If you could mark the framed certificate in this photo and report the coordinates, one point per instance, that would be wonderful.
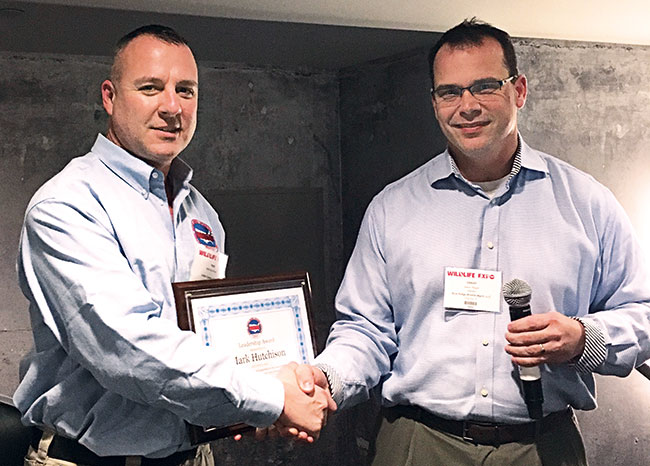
(261, 322)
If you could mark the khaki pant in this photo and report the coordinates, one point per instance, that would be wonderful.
(39, 457)
(404, 442)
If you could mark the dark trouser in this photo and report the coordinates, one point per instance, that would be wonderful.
(48, 449)
(406, 442)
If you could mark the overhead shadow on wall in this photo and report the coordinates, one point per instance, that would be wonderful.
(272, 231)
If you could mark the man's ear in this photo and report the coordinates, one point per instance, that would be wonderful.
(521, 87)
(108, 94)
(433, 104)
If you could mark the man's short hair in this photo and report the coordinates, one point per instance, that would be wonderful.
(472, 32)
(163, 33)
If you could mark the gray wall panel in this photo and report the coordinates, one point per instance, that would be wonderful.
(258, 129)
(587, 105)
(278, 130)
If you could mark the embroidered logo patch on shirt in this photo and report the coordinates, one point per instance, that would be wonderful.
(203, 234)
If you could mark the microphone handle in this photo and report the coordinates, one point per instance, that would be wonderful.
(517, 312)
(534, 397)
(531, 377)
(528, 374)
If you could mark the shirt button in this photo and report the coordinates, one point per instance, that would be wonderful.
(485, 342)
(490, 245)
(484, 392)
(154, 175)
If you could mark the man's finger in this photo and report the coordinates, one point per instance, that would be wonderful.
(305, 378)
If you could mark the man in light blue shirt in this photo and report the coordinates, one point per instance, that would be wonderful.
(112, 379)
(420, 309)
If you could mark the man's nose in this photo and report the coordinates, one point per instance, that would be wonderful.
(468, 103)
(170, 104)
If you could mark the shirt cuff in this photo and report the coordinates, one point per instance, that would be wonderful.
(264, 399)
(595, 351)
(334, 382)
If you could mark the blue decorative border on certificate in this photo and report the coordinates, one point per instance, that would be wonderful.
(249, 307)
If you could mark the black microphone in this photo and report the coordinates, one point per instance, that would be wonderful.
(517, 294)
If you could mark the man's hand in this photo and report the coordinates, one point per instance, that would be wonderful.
(312, 382)
(309, 377)
(306, 406)
(551, 338)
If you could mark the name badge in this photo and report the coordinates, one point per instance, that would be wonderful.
(208, 264)
(472, 289)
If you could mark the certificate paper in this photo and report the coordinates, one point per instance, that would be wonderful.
(261, 330)
(261, 323)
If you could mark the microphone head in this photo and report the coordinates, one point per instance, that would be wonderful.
(517, 292)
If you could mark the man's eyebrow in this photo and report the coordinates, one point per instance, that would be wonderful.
(147, 79)
(482, 80)
(188, 83)
(478, 81)
(446, 86)
(153, 79)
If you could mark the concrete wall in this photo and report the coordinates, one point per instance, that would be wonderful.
(264, 135)
(49, 112)
(387, 130)
(264, 130)
(587, 105)
(259, 130)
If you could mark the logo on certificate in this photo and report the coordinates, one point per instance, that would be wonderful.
(254, 326)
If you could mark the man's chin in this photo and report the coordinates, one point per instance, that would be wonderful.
(166, 150)
(472, 147)
(157, 156)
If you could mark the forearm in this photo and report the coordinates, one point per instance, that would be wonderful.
(116, 324)
(625, 335)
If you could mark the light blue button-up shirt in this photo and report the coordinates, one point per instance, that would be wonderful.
(98, 253)
(550, 225)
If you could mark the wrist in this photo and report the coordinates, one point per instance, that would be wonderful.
(580, 346)
(594, 350)
(334, 383)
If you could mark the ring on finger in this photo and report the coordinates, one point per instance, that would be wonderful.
(542, 350)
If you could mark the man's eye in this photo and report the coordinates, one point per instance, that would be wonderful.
(448, 93)
(487, 87)
(148, 88)
(186, 91)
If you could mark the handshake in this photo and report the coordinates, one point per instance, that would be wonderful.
(307, 403)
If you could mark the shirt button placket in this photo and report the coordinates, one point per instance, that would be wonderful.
(488, 261)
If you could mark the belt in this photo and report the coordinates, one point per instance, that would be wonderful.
(66, 449)
(480, 433)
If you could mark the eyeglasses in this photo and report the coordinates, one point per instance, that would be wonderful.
(482, 90)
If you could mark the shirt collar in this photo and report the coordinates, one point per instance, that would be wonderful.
(531, 159)
(525, 157)
(135, 172)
